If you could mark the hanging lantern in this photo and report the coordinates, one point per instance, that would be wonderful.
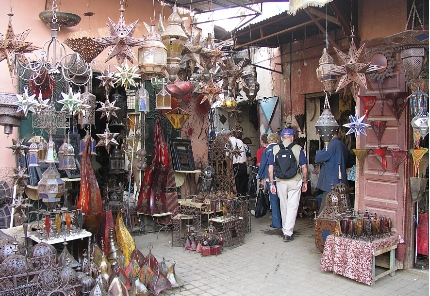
(42, 149)
(326, 124)
(51, 187)
(92, 145)
(8, 115)
(88, 116)
(152, 55)
(32, 155)
(116, 162)
(325, 72)
(418, 102)
(411, 44)
(133, 121)
(51, 154)
(69, 157)
(163, 100)
(173, 38)
(420, 123)
(60, 155)
(141, 100)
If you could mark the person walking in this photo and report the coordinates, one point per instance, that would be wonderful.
(238, 161)
(263, 143)
(333, 161)
(263, 176)
(289, 190)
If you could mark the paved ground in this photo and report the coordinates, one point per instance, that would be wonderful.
(265, 265)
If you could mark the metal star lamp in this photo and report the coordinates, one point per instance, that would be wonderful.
(120, 40)
(12, 44)
(356, 125)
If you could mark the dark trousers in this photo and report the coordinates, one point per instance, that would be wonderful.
(241, 178)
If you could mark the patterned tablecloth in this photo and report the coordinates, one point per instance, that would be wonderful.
(353, 258)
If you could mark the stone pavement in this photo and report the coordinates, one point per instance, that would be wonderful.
(265, 265)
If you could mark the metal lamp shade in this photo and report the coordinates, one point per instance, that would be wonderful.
(417, 187)
(326, 126)
(413, 61)
(9, 118)
(51, 187)
(152, 55)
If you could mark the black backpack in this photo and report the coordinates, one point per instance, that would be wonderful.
(285, 162)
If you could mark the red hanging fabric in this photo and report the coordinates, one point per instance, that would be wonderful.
(153, 198)
(90, 200)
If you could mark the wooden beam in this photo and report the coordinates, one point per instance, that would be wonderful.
(322, 15)
(315, 21)
(273, 35)
(344, 24)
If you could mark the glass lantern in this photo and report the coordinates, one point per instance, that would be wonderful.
(152, 55)
(116, 162)
(174, 39)
(51, 187)
(51, 154)
(87, 117)
(325, 71)
(33, 160)
(42, 149)
(163, 100)
(141, 101)
(60, 155)
(69, 157)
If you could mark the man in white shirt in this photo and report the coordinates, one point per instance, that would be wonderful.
(239, 162)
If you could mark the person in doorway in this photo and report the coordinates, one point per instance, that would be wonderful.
(289, 190)
(263, 144)
(263, 176)
(238, 162)
(333, 161)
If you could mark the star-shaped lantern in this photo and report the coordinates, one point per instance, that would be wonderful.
(356, 125)
(18, 147)
(107, 139)
(353, 71)
(107, 79)
(19, 176)
(41, 104)
(11, 44)
(121, 40)
(108, 109)
(25, 102)
(191, 53)
(71, 102)
(210, 92)
(126, 75)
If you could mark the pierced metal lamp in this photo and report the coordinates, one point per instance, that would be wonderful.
(326, 124)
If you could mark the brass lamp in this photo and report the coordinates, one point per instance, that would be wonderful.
(174, 39)
(152, 55)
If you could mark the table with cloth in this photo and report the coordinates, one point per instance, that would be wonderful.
(355, 259)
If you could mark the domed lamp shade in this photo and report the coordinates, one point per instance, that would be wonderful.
(50, 188)
(152, 55)
(326, 124)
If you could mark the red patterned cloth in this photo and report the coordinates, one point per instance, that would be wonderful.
(352, 258)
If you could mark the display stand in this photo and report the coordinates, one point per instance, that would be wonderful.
(356, 259)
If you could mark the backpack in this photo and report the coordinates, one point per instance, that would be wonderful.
(285, 166)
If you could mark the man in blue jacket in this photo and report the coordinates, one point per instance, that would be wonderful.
(334, 162)
(263, 175)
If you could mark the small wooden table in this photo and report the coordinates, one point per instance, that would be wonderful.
(356, 259)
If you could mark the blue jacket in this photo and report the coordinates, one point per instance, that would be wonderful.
(336, 153)
(263, 170)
